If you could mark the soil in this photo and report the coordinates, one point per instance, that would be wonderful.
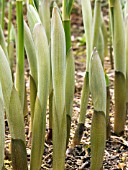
(116, 151)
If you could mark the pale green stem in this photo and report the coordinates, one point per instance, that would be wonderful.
(3, 13)
(20, 82)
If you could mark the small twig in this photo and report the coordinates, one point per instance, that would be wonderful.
(121, 140)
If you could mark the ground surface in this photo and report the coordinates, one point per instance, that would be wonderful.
(116, 152)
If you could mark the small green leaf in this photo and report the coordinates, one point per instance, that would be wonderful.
(107, 80)
(119, 39)
(43, 61)
(59, 139)
(39, 119)
(87, 19)
(97, 83)
(69, 6)
(69, 92)
(12, 33)
(19, 155)
(44, 12)
(38, 136)
(16, 120)
(70, 82)
(6, 79)
(31, 52)
(33, 17)
(84, 98)
(58, 58)
(3, 43)
(33, 93)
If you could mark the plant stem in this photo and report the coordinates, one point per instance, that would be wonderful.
(59, 121)
(20, 82)
(120, 103)
(87, 19)
(118, 33)
(69, 64)
(3, 13)
(9, 23)
(65, 16)
(98, 138)
(67, 29)
(107, 113)
(97, 86)
(84, 102)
